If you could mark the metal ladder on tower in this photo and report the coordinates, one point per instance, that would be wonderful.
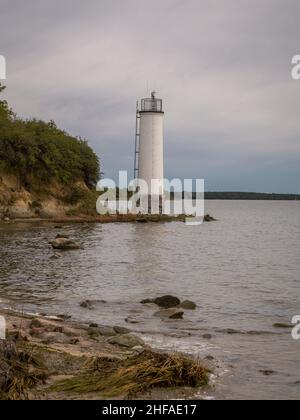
(137, 142)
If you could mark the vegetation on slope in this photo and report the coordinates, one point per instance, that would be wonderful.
(46, 162)
(40, 153)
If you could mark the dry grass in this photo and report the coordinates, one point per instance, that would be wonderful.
(137, 374)
(19, 370)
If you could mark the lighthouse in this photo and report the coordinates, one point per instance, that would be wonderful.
(149, 161)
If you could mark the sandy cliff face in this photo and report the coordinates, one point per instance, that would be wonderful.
(16, 202)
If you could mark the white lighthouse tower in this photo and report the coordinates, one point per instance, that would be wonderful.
(149, 162)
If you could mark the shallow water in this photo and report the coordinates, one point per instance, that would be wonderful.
(242, 271)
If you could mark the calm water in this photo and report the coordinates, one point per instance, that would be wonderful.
(242, 271)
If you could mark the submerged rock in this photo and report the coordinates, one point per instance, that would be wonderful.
(90, 304)
(282, 325)
(232, 331)
(188, 304)
(267, 372)
(144, 301)
(65, 244)
(127, 340)
(59, 236)
(142, 220)
(209, 218)
(170, 313)
(167, 301)
(207, 336)
(87, 304)
(55, 256)
(131, 320)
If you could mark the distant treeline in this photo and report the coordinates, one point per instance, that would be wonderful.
(237, 195)
(249, 196)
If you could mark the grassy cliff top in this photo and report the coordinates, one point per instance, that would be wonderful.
(41, 154)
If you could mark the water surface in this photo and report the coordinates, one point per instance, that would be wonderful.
(242, 271)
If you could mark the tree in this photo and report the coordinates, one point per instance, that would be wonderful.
(41, 154)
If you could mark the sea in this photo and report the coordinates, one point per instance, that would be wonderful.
(242, 271)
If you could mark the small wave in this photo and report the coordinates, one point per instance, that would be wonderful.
(188, 345)
(19, 311)
(241, 332)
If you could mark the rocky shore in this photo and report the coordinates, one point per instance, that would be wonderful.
(56, 358)
(110, 218)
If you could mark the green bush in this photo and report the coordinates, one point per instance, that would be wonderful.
(76, 195)
(40, 154)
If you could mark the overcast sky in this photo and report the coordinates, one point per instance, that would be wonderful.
(222, 67)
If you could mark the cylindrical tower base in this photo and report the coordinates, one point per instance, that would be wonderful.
(151, 169)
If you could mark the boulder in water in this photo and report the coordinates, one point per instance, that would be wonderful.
(90, 304)
(282, 325)
(188, 304)
(267, 372)
(65, 244)
(87, 304)
(170, 313)
(209, 218)
(144, 301)
(59, 236)
(167, 301)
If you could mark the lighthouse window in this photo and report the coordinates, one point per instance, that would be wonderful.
(154, 105)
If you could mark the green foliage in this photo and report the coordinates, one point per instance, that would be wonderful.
(41, 154)
(76, 194)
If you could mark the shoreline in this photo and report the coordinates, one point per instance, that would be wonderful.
(127, 218)
(78, 361)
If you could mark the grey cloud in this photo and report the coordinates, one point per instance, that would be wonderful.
(222, 68)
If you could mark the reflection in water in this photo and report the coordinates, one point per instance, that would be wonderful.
(150, 262)
(243, 273)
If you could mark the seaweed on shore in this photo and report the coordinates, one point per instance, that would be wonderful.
(137, 374)
(19, 370)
